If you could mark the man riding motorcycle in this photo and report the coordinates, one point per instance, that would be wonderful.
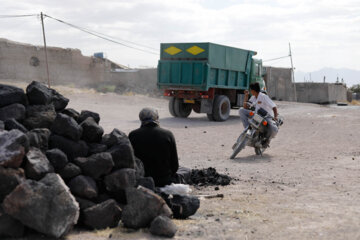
(260, 100)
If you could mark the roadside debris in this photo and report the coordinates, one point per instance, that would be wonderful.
(209, 177)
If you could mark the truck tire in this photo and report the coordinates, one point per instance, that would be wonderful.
(221, 108)
(182, 109)
(171, 107)
(196, 107)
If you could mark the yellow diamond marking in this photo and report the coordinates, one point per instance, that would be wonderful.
(195, 50)
(172, 50)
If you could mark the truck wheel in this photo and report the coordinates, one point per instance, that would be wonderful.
(196, 107)
(182, 109)
(171, 107)
(221, 108)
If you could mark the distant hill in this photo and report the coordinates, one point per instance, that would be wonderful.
(350, 76)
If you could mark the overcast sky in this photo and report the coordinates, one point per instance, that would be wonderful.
(322, 33)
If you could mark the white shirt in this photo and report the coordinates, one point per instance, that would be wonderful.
(263, 101)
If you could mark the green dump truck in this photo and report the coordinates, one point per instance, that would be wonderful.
(206, 78)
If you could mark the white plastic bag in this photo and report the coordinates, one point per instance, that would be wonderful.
(176, 189)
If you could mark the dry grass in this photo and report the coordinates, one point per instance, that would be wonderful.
(355, 102)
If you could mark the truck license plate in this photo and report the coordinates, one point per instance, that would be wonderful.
(189, 101)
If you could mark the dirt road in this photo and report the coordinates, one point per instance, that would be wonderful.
(305, 186)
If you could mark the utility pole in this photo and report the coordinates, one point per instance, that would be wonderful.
(46, 59)
(292, 70)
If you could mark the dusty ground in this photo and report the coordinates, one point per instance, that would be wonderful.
(306, 186)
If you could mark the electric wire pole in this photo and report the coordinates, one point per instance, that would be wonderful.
(292, 70)
(46, 59)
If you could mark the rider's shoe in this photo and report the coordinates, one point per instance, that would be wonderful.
(266, 143)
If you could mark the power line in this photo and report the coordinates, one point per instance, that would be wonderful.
(273, 59)
(18, 16)
(141, 45)
(98, 35)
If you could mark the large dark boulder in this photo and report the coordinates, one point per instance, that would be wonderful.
(113, 138)
(9, 179)
(10, 227)
(182, 206)
(11, 94)
(71, 113)
(16, 111)
(46, 206)
(71, 148)
(85, 114)
(92, 132)
(123, 153)
(70, 171)
(59, 101)
(84, 203)
(96, 148)
(39, 138)
(102, 197)
(11, 124)
(143, 207)
(67, 127)
(139, 168)
(120, 180)
(57, 158)
(39, 116)
(103, 215)
(163, 226)
(96, 165)
(83, 186)
(147, 182)
(38, 93)
(37, 165)
(13, 146)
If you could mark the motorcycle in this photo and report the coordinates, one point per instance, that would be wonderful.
(255, 134)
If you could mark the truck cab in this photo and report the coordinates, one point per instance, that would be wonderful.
(257, 73)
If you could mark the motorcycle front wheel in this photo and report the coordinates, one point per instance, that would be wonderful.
(240, 144)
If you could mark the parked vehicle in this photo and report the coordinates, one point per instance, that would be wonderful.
(254, 134)
(206, 78)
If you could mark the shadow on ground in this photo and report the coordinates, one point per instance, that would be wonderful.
(253, 158)
(194, 122)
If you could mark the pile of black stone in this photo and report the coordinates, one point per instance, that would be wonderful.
(209, 177)
(58, 170)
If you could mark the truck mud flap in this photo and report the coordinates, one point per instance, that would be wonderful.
(206, 106)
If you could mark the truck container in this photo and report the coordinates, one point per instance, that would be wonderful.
(206, 77)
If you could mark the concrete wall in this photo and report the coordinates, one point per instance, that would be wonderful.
(25, 62)
(322, 93)
(66, 66)
(337, 93)
(279, 84)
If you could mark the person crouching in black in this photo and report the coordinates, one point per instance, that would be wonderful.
(156, 148)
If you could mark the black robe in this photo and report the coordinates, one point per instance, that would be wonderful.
(156, 148)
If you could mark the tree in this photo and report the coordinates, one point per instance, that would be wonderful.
(355, 88)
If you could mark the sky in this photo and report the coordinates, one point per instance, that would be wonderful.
(322, 33)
